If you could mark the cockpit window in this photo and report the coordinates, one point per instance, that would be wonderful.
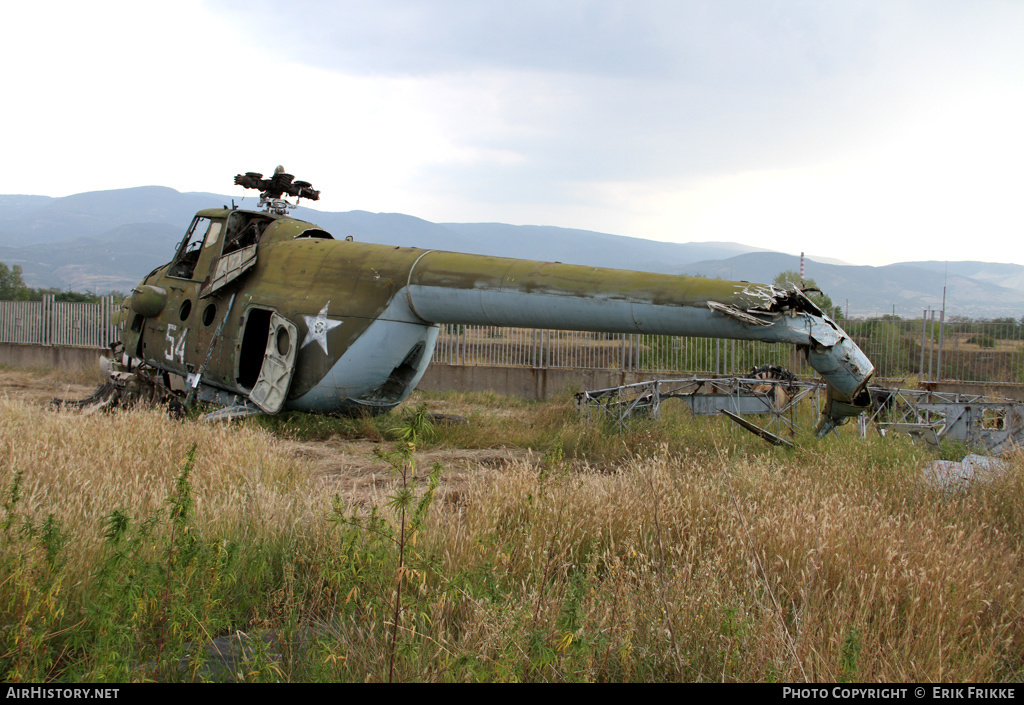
(202, 230)
(244, 229)
(212, 235)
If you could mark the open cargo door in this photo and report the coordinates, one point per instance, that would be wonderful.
(271, 389)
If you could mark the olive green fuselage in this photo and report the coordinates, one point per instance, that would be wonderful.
(365, 316)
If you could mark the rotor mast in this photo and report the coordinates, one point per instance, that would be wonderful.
(273, 190)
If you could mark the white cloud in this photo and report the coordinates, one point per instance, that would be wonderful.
(880, 130)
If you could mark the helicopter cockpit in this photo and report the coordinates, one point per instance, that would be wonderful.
(202, 232)
(244, 229)
(240, 229)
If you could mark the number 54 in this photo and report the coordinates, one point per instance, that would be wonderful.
(175, 348)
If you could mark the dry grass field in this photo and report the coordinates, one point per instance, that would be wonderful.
(525, 545)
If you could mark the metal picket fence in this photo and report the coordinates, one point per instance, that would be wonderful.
(917, 350)
(526, 347)
(927, 349)
(50, 322)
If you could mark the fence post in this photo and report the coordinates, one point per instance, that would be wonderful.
(938, 366)
(931, 346)
(924, 326)
(49, 324)
(104, 334)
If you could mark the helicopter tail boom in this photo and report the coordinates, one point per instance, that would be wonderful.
(445, 287)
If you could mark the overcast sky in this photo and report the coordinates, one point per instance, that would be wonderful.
(868, 131)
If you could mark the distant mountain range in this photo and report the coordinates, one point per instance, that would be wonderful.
(977, 289)
(108, 240)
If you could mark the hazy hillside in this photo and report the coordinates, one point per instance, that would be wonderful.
(110, 239)
(591, 248)
(113, 260)
(1008, 275)
(16, 203)
(876, 290)
(96, 212)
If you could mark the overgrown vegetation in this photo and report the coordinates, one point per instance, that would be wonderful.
(134, 547)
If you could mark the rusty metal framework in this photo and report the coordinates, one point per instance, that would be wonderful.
(778, 400)
(991, 423)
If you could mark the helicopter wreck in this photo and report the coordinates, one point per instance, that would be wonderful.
(260, 312)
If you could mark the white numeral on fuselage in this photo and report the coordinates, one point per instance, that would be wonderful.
(175, 348)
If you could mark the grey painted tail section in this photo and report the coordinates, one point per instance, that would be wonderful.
(553, 297)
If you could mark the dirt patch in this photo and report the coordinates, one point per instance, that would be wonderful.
(350, 469)
(353, 470)
(40, 387)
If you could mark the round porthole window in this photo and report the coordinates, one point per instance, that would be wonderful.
(209, 313)
(185, 310)
(283, 341)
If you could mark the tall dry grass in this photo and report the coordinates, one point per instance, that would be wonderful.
(708, 568)
(81, 467)
(706, 557)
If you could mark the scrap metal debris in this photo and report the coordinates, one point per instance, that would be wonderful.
(767, 390)
(124, 390)
(988, 424)
(992, 424)
(950, 474)
(737, 313)
(758, 431)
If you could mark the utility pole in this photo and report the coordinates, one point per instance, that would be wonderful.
(942, 321)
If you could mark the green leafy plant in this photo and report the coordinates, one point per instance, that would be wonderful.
(418, 427)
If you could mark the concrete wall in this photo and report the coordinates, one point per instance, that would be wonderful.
(50, 356)
(526, 382)
(1006, 391)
